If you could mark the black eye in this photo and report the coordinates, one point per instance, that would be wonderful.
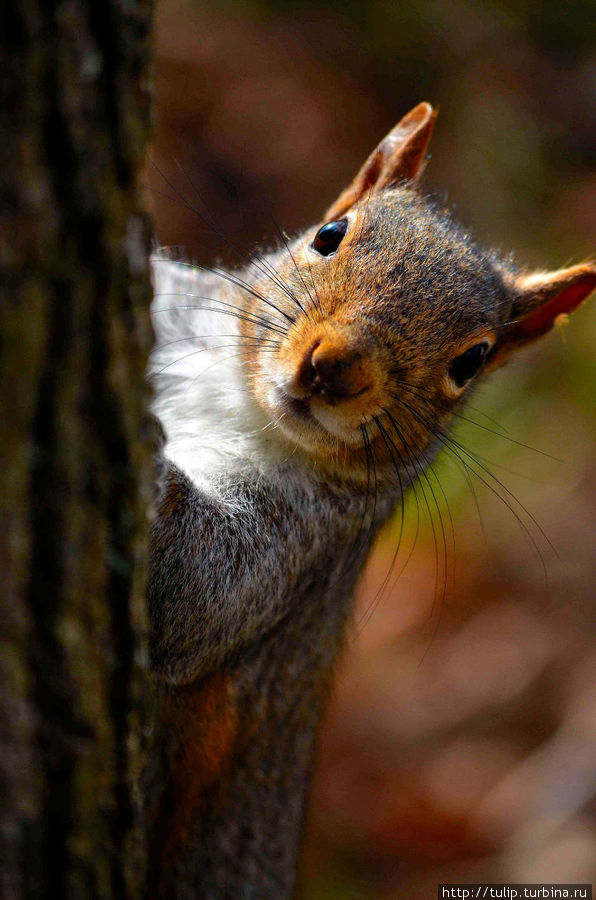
(329, 237)
(468, 364)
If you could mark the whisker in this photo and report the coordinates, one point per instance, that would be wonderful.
(219, 361)
(234, 279)
(195, 353)
(458, 449)
(318, 304)
(202, 337)
(368, 612)
(260, 263)
(223, 312)
(295, 264)
(439, 593)
(253, 318)
(420, 396)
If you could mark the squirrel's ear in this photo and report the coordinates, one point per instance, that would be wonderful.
(541, 301)
(399, 157)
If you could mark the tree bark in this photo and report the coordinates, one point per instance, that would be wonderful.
(74, 446)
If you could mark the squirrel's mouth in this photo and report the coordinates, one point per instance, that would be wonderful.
(298, 408)
(290, 409)
(295, 413)
(304, 422)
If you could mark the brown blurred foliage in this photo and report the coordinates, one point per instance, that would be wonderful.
(461, 740)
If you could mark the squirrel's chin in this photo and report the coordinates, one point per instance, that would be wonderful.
(315, 428)
(337, 450)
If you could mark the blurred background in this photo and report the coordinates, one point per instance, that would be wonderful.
(460, 742)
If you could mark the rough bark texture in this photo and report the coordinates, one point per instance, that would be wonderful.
(74, 461)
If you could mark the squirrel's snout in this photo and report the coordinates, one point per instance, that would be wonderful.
(333, 370)
(331, 377)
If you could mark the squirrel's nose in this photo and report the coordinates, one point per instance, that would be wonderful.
(334, 371)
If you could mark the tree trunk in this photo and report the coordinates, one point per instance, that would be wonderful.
(74, 448)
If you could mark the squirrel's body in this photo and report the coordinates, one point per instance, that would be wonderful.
(243, 724)
(299, 398)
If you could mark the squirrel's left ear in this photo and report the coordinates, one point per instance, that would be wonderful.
(399, 157)
(541, 301)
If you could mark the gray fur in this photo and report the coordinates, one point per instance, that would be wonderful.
(253, 568)
(257, 545)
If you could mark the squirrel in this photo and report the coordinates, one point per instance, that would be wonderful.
(299, 398)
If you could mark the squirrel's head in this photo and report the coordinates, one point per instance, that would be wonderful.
(373, 325)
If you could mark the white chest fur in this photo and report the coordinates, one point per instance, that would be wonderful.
(198, 371)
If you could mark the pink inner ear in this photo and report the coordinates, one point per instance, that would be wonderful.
(564, 302)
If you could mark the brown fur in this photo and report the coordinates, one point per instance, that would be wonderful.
(405, 294)
(398, 158)
(205, 720)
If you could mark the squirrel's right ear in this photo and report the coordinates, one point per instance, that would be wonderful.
(541, 302)
(399, 157)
